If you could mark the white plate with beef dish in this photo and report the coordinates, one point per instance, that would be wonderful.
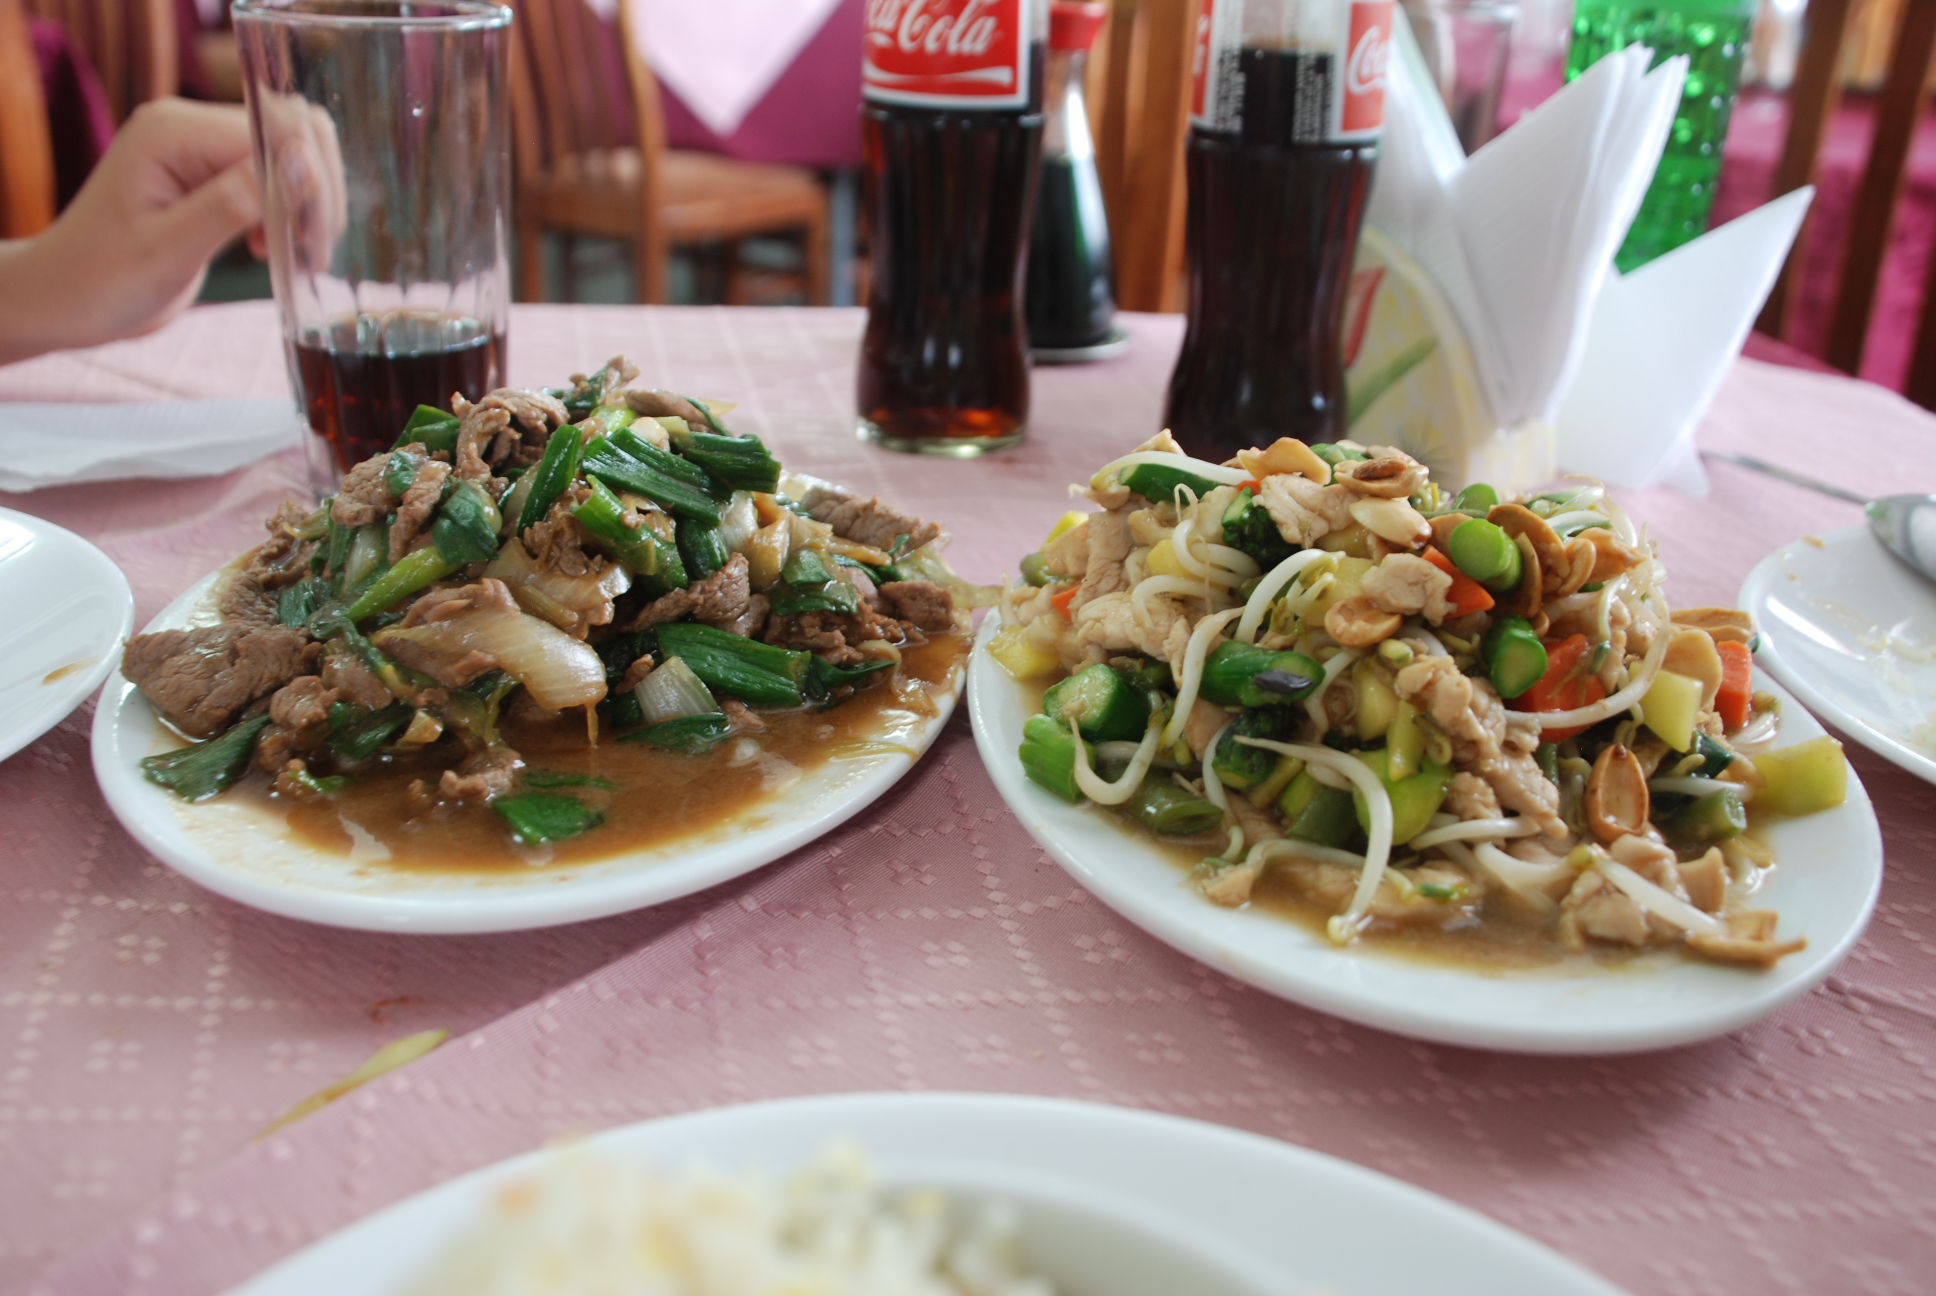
(948, 1192)
(1499, 939)
(74, 610)
(457, 760)
(1852, 631)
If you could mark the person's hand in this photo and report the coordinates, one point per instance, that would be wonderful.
(130, 251)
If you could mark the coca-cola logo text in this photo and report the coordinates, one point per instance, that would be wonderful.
(924, 27)
(1365, 71)
(1369, 44)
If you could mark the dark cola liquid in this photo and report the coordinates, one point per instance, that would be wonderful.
(363, 377)
(1272, 229)
(949, 196)
(1071, 295)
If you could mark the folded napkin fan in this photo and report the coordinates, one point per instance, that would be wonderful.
(54, 444)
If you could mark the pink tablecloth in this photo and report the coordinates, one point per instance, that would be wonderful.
(151, 1029)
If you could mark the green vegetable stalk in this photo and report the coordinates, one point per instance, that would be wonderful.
(202, 770)
(416, 571)
(552, 475)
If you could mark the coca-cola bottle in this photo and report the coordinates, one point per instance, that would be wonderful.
(1288, 104)
(951, 128)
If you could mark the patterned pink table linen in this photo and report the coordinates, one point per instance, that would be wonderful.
(152, 1029)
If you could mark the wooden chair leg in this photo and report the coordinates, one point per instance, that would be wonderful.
(649, 270)
(816, 253)
(733, 290)
(531, 275)
(571, 267)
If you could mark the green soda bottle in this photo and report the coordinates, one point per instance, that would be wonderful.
(1714, 36)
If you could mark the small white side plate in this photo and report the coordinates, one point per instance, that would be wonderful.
(1114, 1202)
(1853, 633)
(1830, 870)
(68, 609)
(246, 853)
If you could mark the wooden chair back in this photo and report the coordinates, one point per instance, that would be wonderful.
(1142, 107)
(1812, 101)
(566, 99)
(130, 43)
(26, 147)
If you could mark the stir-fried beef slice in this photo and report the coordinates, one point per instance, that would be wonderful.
(560, 543)
(663, 404)
(201, 680)
(635, 674)
(418, 507)
(478, 432)
(485, 775)
(440, 666)
(740, 718)
(303, 705)
(834, 636)
(600, 387)
(748, 623)
(244, 599)
(365, 496)
(720, 600)
(867, 522)
(922, 604)
(282, 558)
(276, 748)
(443, 604)
(352, 681)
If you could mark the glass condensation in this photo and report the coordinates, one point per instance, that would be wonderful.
(1714, 36)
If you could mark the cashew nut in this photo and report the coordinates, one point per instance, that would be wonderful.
(1527, 598)
(1723, 625)
(1392, 519)
(1392, 474)
(1580, 557)
(1616, 556)
(1692, 653)
(1358, 623)
(1617, 800)
(1285, 455)
(1518, 520)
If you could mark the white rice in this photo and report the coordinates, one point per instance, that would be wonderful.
(588, 1225)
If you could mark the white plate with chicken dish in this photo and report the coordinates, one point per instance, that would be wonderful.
(557, 655)
(942, 1194)
(1470, 778)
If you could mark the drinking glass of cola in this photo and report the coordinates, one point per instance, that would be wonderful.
(382, 138)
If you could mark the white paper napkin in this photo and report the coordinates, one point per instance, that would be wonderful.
(721, 56)
(1661, 340)
(1521, 235)
(58, 443)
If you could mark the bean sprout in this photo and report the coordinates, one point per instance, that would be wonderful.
(1475, 830)
(1265, 851)
(1212, 472)
(1344, 928)
(1571, 524)
(1100, 790)
(1199, 648)
(1314, 705)
(1661, 902)
(1213, 793)
(1258, 606)
(1155, 586)
(1697, 787)
(1615, 704)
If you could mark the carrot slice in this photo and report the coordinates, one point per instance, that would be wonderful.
(1063, 597)
(1734, 702)
(1467, 595)
(1566, 686)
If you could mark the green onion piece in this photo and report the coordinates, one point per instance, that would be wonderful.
(631, 444)
(712, 419)
(1514, 656)
(416, 571)
(467, 525)
(554, 779)
(369, 551)
(822, 678)
(1335, 454)
(1715, 758)
(435, 429)
(1168, 810)
(622, 472)
(400, 471)
(325, 785)
(1158, 482)
(835, 596)
(1486, 554)
(805, 568)
(337, 549)
(552, 475)
(614, 417)
(691, 735)
(701, 548)
(756, 673)
(642, 553)
(201, 770)
(737, 463)
(298, 602)
(357, 732)
(1049, 757)
(540, 817)
(1476, 500)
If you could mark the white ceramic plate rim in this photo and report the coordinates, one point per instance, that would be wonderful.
(1624, 1011)
(87, 565)
(829, 795)
(1758, 590)
(1277, 1210)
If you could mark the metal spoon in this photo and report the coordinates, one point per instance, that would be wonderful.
(1905, 524)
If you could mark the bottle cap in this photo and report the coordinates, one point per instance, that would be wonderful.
(1073, 24)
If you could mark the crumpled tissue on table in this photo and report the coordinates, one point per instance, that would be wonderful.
(1485, 293)
(57, 443)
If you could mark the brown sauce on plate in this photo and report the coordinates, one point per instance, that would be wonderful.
(658, 797)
